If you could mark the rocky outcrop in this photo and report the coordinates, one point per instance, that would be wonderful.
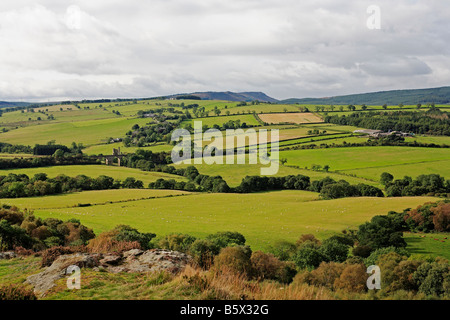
(134, 260)
(45, 280)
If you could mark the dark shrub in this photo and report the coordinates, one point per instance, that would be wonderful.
(50, 255)
(283, 250)
(203, 252)
(226, 238)
(362, 251)
(177, 242)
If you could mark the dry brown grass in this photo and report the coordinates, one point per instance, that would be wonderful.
(228, 285)
(297, 118)
(104, 243)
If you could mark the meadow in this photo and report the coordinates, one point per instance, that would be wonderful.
(357, 160)
(297, 118)
(87, 132)
(263, 218)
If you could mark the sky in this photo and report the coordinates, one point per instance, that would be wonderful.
(54, 50)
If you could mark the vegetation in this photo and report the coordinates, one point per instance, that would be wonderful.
(433, 121)
(336, 206)
(18, 186)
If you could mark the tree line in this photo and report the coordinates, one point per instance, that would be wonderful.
(433, 121)
(425, 184)
(20, 185)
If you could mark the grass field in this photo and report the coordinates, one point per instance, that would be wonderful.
(249, 119)
(432, 244)
(298, 118)
(86, 132)
(359, 160)
(413, 170)
(254, 215)
(96, 197)
(115, 172)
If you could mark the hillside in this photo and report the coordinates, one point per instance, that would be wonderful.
(393, 97)
(232, 96)
(8, 104)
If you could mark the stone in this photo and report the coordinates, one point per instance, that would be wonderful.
(111, 259)
(45, 280)
(133, 261)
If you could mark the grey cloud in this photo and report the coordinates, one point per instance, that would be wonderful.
(284, 48)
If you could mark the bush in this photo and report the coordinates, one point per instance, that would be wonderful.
(308, 256)
(267, 266)
(50, 255)
(203, 252)
(177, 242)
(362, 251)
(380, 232)
(226, 238)
(375, 255)
(123, 233)
(13, 236)
(307, 237)
(235, 260)
(353, 278)
(16, 292)
(403, 274)
(283, 250)
(326, 274)
(106, 243)
(333, 250)
(433, 278)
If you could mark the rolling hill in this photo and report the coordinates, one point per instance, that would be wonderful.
(393, 97)
(230, 96)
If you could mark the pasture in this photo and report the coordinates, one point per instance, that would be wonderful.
(358, 160)
(428, 244)
(87, 132)
(263, 218)
(297, 118)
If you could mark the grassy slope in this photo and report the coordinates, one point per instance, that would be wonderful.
(87, 132)
(426, 244)
(358, 160)
(254, 215)
(96, 197)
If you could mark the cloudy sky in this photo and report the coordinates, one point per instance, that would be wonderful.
(53, 49)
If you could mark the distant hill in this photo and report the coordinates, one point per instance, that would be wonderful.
(393, 97)
(8, 104)
(230, 96)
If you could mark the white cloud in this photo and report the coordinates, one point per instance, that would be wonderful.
(89, 49)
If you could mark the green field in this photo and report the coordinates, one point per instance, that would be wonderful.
(262, 217)
(370, 162)
(95, 197)
(430, 244)
(254, 215)
(249, 119)
(87, 132)
(120, 173)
